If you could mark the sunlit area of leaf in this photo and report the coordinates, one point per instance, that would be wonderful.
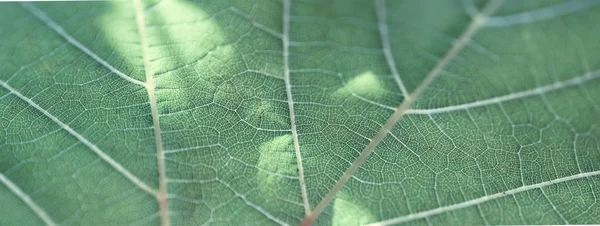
(366, 84)
(207, 68)
(181, 34)
(344, 206)
(369, 88)
(183, 38)
(277, 165)
(118, 27)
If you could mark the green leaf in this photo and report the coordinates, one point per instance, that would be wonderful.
(338, 112)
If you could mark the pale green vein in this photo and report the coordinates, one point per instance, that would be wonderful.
(59, 30)
(139, 183)
(483, 199)
(27, 200)
(513, 96)
(477, 22)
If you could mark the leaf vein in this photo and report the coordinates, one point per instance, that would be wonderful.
(161, 195)
(513, 96)
(288, 89)
(483, 199)
(40, 15)
(385, 41)
(27, 200)
(139, 183)
(478, 21)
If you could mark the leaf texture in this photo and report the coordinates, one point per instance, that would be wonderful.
(352, 112)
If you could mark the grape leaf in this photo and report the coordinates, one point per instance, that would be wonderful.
(352, 112)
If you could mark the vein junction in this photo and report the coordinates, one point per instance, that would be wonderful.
(161, 194)
(477, 23)
(59, 30)
(513, 96)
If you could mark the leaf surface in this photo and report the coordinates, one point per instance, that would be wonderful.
(249, 112)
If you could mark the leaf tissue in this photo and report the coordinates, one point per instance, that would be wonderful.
(300, 112)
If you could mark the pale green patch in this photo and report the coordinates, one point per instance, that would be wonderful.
(343, 207)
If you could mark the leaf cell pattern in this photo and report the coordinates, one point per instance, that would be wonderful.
(280, 112)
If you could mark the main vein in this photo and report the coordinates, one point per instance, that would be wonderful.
(477, 22)
(161, 194)
(483, 199)
(160, 154)
(27, 200)
(288, 89)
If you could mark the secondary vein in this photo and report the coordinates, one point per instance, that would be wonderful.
(27, 200)
(385, 42)
(513, 96)
(59, 30)
(139, 183)
(483, 199)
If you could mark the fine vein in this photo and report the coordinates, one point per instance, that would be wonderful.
(385, 41)
(59, 30)
(254, 206)
(477, 22)
(432, 212)
(161, 196)
(513, 96)
(27, 200)
(139, 183)
(288, 89)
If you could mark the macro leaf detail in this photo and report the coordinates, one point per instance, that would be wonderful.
(337, 112)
